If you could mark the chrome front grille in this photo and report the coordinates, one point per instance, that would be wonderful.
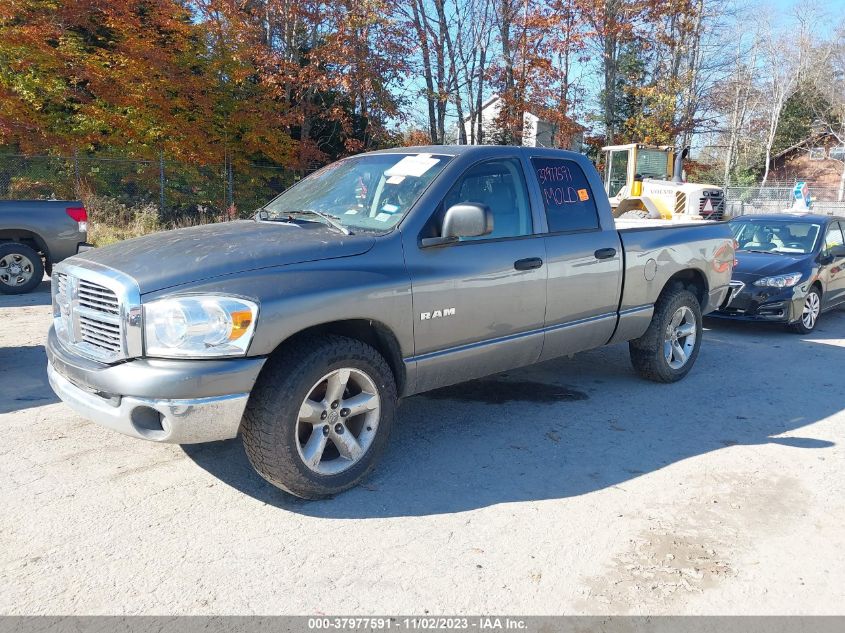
(97, 312)
(97, 298)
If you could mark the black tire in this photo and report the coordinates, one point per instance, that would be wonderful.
(637, 214)
(10, 252)
(648, 353)
(270, 424)
(799, 326)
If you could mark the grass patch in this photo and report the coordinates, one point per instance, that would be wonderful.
(110, 221)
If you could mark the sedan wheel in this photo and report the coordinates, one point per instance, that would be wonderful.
(812, 307)
(810, 313)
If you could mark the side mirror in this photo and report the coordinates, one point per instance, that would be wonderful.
(838, 251)
(463, 220)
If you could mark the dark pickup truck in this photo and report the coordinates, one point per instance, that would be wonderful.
(381, 276)
(35, 235)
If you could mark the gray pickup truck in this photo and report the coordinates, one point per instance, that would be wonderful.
(380, 276)
(35, 235)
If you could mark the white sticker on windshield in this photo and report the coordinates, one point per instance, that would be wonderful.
(395, 180)
(351, 212)
(384, 217)
(390, 208)
(412, 166)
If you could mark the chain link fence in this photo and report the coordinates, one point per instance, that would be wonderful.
(779, 198)
(178, 192)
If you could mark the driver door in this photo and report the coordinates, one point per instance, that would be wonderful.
(479, 304)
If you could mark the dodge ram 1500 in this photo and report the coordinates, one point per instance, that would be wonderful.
(381, 276)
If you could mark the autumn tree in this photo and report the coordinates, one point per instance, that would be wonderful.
(97, 74)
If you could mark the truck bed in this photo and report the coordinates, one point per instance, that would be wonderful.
(633, 224)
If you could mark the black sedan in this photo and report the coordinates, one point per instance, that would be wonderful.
(790, 268)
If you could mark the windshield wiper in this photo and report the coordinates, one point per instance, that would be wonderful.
(331, 220)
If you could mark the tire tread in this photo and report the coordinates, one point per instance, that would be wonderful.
(647, 351)
(276, 397)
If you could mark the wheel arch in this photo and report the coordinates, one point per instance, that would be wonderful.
(369, 331)
(25, 236)
(691, 279)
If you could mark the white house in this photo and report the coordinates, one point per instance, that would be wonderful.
(536, 132)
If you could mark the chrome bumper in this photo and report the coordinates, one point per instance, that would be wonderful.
(175, 401)
(176, 421)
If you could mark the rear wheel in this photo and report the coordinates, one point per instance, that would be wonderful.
(810, 313)
(668, 349)
(21, 269)
(320, 415)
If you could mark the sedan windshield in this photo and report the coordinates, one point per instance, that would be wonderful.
(370, 192)
(775, 236)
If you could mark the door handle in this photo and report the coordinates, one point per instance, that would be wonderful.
(529, 263)
(605, 253)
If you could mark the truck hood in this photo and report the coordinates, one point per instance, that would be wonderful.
(172, 258)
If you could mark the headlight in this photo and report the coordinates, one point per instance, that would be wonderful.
(199, 325)
(779, 281)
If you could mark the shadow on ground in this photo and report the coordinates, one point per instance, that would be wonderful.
(23, 378)
(38, 297)
(572, 426)
(23, 368)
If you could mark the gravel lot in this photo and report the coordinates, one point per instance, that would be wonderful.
(570, 487)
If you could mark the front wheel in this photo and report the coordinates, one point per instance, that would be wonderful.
(320, 415)
(810, 313)
(669, 347)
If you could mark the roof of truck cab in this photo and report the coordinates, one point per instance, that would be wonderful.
(482, 150)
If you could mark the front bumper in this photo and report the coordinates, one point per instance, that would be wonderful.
(173, 401)
(753, 303)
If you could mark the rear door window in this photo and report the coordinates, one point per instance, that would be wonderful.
(567, 197)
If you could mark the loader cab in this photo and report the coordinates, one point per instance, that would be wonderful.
(625, 164)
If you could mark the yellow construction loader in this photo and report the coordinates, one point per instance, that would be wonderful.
(645, 182)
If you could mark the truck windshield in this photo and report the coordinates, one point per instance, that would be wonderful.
(775, 236)
(370, 192)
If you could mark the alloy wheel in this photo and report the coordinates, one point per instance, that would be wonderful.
(679, 340)
(338, 421)
(812, 307)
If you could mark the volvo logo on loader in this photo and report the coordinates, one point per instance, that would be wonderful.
(445, 312)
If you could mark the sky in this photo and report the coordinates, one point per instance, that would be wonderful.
(779, 12)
